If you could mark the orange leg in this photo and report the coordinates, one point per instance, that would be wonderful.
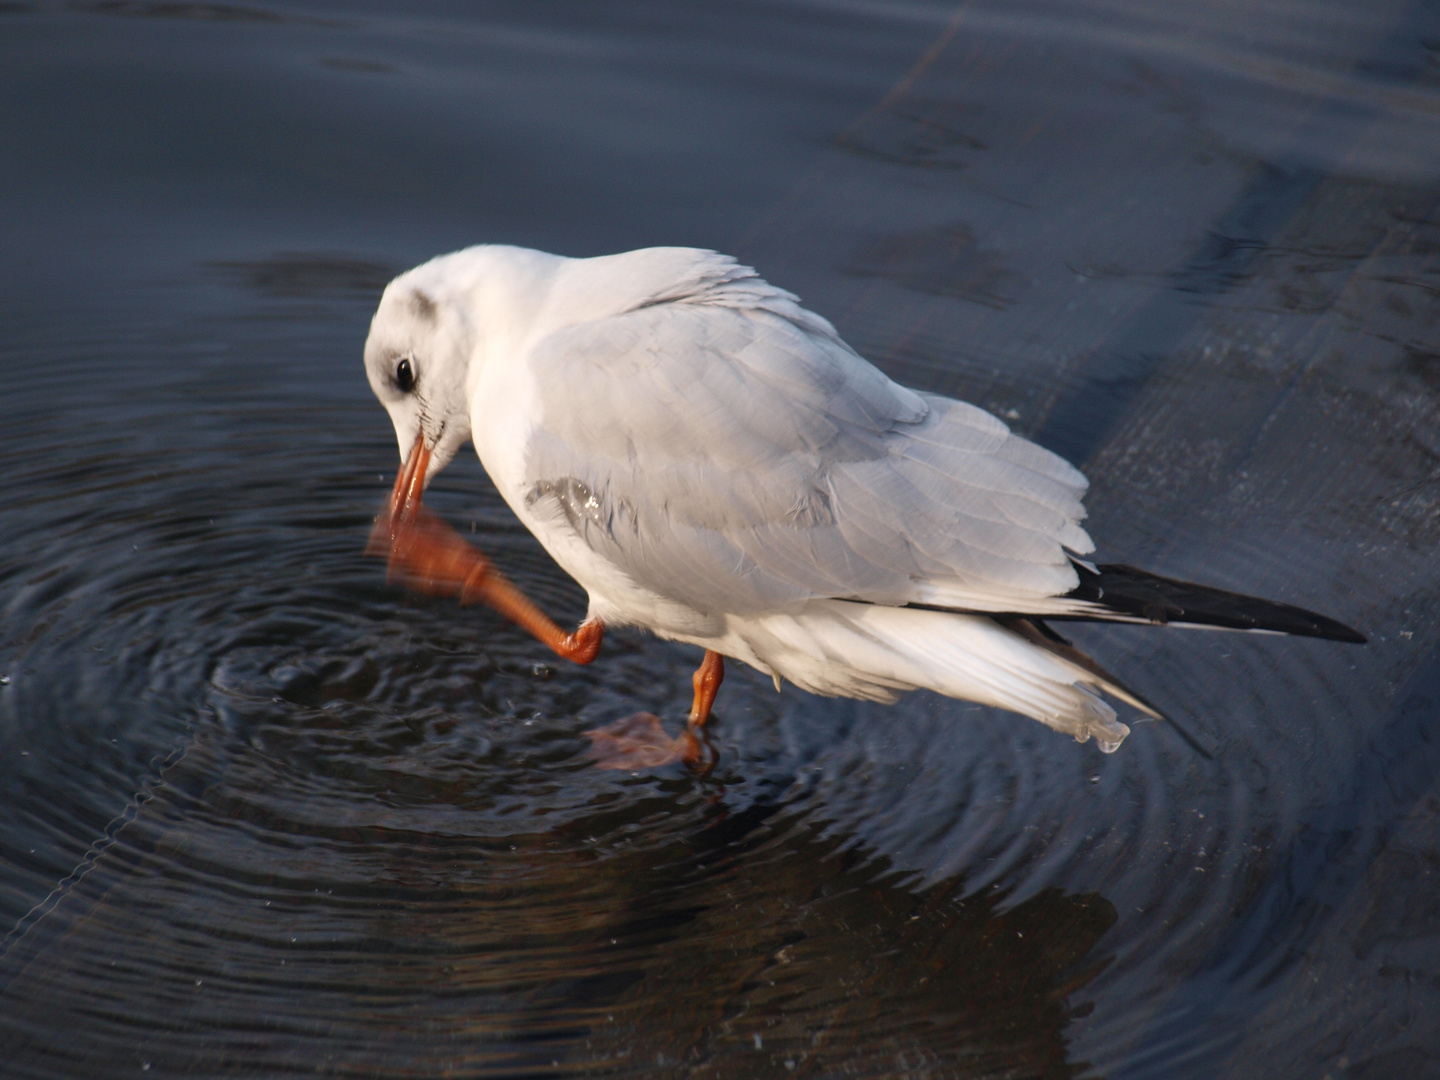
(428, 555)
(708, 677)
(691, 746)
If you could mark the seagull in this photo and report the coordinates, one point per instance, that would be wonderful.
(711, 461)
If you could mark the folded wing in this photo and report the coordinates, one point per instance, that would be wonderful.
(726, 449)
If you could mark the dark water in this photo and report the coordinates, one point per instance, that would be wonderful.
(263, 815)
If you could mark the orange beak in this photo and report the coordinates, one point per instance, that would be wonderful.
(423, 552)
(410, 483)
(405, 499)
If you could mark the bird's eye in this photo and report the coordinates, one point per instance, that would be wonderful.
(405, 376)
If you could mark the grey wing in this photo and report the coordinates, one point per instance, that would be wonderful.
(733, 455)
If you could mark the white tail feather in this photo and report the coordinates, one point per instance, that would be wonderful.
(838, 648)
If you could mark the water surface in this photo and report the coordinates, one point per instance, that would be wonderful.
(262, 814)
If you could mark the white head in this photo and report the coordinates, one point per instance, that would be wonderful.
(417, 359)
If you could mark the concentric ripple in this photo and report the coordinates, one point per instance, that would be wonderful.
(267, 811)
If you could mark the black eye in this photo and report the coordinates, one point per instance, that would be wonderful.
(405, 376)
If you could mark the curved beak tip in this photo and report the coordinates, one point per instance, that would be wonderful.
(410, 482)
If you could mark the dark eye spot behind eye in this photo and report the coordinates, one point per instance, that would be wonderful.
(405, 376)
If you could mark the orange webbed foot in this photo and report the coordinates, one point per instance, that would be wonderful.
(640, 742)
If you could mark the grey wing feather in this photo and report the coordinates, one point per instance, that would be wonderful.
(728, 451)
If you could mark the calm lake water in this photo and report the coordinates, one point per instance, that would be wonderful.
(262, 814)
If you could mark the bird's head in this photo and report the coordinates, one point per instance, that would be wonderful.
(417, 359)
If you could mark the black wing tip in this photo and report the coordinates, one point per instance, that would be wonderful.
(1140, 594)
(1341, 632)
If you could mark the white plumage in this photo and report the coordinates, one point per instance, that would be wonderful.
(711, 461)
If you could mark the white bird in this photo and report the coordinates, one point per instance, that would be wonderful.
(709, 460)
